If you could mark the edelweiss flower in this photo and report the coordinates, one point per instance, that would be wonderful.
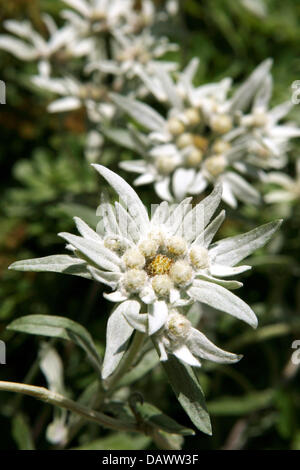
(268, 139)
(75, 95)
(127, 16)
(98, 15)
(61, 45)
(156, 264)
(131, 53)
(206, 137)
(290, 187)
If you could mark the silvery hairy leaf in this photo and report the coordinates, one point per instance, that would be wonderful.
(94, 252)
(220, 298)
(132, 202)
(202, 347)
(118, 332)
(141, 112)
(188, 392)
(242, 97)
(59, 327)
(233, 249)
(57, 263)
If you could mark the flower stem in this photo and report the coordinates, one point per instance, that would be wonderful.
(56, 399)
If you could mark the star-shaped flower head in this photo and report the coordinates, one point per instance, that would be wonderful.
(156, 264)
(131, 53)
(206, 136)
(128, 16)
(286, 189)
(62, 43)
(96, 16)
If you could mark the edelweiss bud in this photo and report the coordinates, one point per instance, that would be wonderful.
(192, 116)
(181, 272)
(162, 285)
(98, 15)
(221, 146)
(215, 165)
(260, 119)
(263, 153)
(134, 280)
(199, 257)
(176, 245)
(165, 164)
(178, 326)
(200, 142)
(221, 123)
(194, 157)
(257, 119)
(134, 259)
(149, 247)
(184, 140)
(175, 126)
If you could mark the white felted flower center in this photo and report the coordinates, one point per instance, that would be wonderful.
(165, 164)
(148, 247)
(134, 280)
(161, 263)
(162, 285)
(175, 126)
(215, 165)
(177, 326)
(192, 116)
(260, 118)
(176, 246)
(184, 140)
(221, 146)
(221, 124)
(194, 157)
(133, 258)
(199, 257)
(181, 272)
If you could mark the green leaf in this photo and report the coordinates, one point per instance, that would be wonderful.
(236, 406)
(156, 418)
(286, 414)
(167, 441)
(188, 392)
(59, 327)
(21, 432)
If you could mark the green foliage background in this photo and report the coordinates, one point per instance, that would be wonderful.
(46, 180)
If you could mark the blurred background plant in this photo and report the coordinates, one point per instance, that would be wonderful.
(254, 404)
